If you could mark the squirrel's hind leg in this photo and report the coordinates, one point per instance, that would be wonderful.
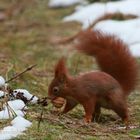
(96, 114)
(122, 110)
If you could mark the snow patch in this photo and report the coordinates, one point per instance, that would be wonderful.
(2, 81)
(135, 49)
(64, 3)
(92, 12)
(21, 123)
(18, 125)
(1, 93)
(84, 16)
(16, 104)
(26, 94)
(128, 31)
(13, 109)
(6, 114)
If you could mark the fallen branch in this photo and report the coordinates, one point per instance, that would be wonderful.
(17, 75)
(113, 16)
(67, 39)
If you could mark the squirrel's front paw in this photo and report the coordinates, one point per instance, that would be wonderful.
(84, 122)
(87, 120)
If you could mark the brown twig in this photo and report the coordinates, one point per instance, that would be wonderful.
(17, 75)
(44, 101)
(28, 102)
(67, 39)
(40, 119)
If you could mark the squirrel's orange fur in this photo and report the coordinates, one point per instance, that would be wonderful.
(107, 88)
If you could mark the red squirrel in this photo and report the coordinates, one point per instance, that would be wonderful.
(107, 88)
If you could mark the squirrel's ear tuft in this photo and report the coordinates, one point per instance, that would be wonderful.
(61, 70)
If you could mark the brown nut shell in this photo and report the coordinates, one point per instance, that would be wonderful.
(58, 102)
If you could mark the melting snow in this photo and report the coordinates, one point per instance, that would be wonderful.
(2, 81)
(18, 125)
(64, 3)
(26, 94)
(14, 109)
(88, 14)
(128, 30)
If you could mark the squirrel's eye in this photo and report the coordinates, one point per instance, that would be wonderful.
(55, 90)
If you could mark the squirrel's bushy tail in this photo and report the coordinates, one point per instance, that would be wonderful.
(112, 55)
